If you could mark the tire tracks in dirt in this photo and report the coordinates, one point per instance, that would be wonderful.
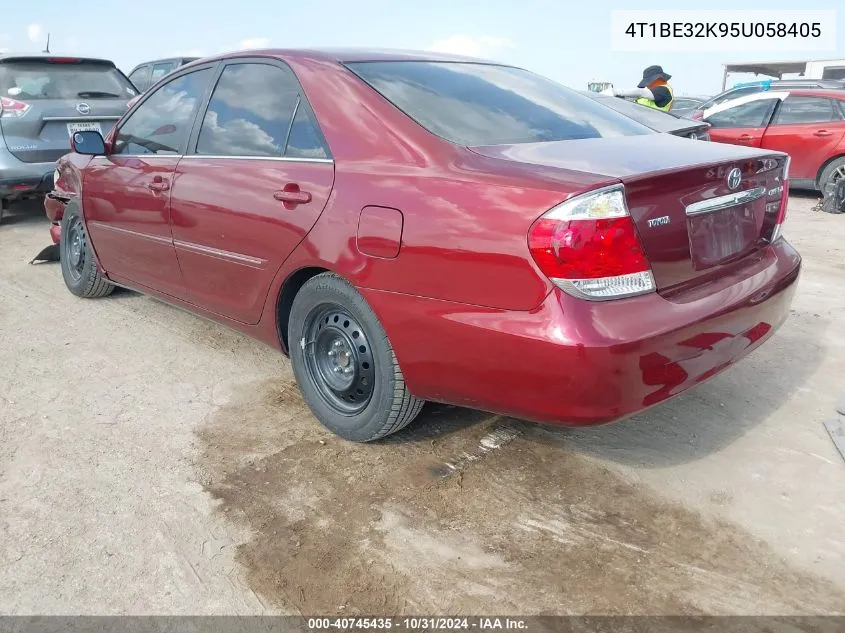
(470, 513)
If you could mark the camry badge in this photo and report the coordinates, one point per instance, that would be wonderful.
(83, 108)
(734, 178)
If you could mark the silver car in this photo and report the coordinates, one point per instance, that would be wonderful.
(44, 98)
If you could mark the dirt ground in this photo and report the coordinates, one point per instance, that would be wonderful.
(153, 462)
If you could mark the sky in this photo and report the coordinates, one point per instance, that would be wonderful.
(566, 41)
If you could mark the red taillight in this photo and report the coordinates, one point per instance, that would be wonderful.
(63, 60)
(12, 108)
(588, 247)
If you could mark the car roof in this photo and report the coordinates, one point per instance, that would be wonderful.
(790, 82)
(163, 60)
(818, 92)
(19, 56)
(756, 96)
(167, 59)
(775, 94)
(348, 55)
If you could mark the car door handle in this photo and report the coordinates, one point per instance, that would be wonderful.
(292, 195)
(746, 137)
(158, 185)
(822, 133)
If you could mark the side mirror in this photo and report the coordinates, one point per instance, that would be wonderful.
(88, 142)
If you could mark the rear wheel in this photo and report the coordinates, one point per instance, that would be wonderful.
(833, 173)
(344, 364)
(77, 259)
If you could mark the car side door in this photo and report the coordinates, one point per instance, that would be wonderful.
(809, 129)
(743, 124)
(254, 183)
(126, 194)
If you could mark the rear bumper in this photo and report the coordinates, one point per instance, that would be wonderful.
(18, 179)
(575, 362)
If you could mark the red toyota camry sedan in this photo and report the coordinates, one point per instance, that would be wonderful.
(411, 227)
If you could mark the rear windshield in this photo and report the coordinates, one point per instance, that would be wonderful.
(484, 104)
(34, 79)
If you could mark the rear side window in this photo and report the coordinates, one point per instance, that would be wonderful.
(795, 110)
(485, 104)
(32, 80)
(751, 114)
(251, 113)
(160, 70)
(140, 77)
(305, 140)
(162, 123)
(834, 72)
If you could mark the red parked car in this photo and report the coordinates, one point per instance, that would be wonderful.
(413, 227)
(807, 124)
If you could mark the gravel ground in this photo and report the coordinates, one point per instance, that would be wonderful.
(152, 462)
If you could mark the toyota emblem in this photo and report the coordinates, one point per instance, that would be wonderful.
(734, 178)
(83, 108)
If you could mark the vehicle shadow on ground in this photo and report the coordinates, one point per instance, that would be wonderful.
(27, 212)
(712, 416)
(700, 422)
(438, 421)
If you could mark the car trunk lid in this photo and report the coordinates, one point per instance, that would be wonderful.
(690, 219)
(46, 99)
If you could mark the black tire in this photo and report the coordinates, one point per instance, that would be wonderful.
(77, 260)
(329, 315)
(3, 205)
(832, 172)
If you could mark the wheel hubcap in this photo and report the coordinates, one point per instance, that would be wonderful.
(75, 248)
(339, 360)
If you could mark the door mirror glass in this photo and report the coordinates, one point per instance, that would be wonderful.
(88, 142)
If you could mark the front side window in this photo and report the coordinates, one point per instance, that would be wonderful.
(251, 113)
(485, 104)
(751, 114)
(162, 124)
(796, 110)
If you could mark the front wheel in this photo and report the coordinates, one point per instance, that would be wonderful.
(79, 269)
(344, 364)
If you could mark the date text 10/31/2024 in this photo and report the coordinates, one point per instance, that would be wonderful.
(419, 623)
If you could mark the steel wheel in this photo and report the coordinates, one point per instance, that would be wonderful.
(74, 248)
(338, 358)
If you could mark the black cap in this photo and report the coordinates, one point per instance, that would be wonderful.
(652, 73)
